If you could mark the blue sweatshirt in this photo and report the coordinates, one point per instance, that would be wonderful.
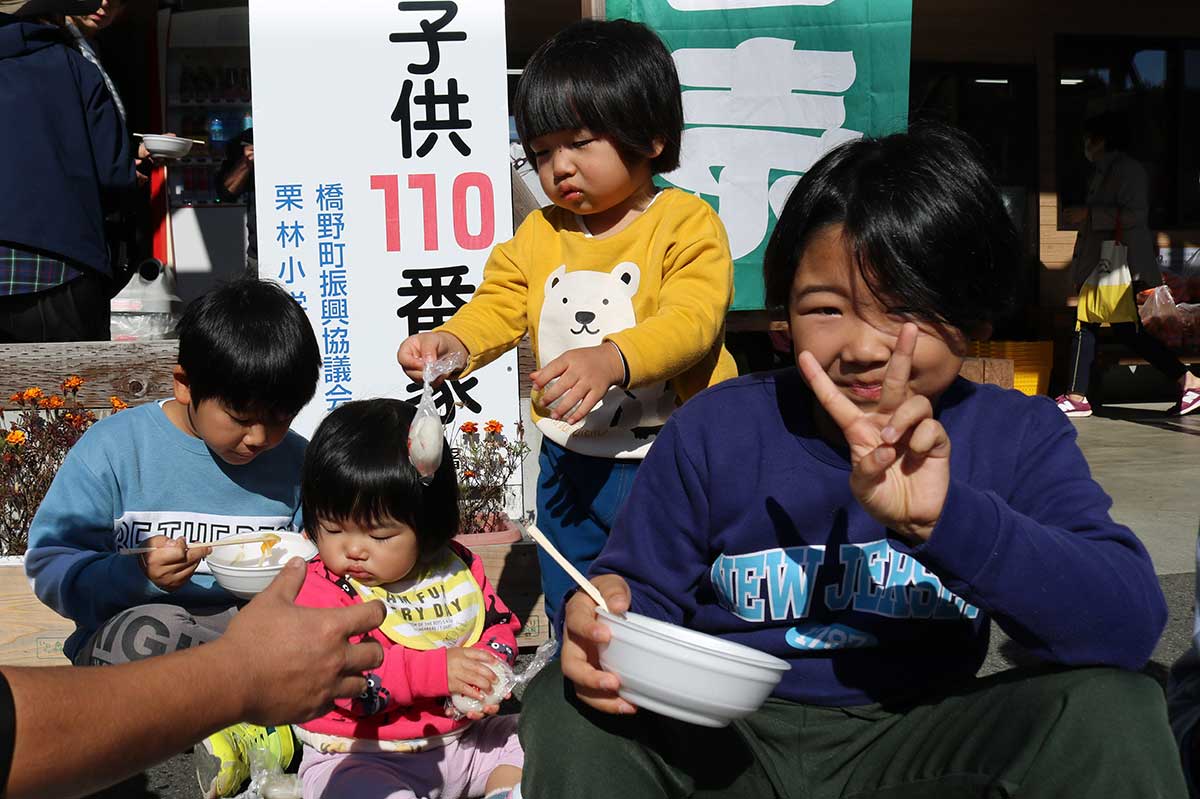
(135, 475)
(741, 523)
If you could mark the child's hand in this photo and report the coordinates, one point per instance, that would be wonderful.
(172, 562)
(582, 633)
(467, 673)
(900, 454)
(584, 376)
(422, 347)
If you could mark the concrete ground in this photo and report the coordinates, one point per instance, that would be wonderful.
(1147, 461)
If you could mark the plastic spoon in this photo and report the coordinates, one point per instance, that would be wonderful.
(545, 544)
(273, 538)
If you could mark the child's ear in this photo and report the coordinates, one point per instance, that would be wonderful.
(181, 385)
(656, 148)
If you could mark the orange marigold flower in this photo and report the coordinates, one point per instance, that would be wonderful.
(493, 427)
(117, 404)
(16, 438)
(72, 383)
(17, 398)
(53, 401)
(469, 473)
(470, 428)
(31, 394)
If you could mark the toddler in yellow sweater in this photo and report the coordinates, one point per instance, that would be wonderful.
(623, 288)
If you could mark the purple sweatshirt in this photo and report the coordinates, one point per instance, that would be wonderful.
(741, 524)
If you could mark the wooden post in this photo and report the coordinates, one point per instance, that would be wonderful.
(593, 9)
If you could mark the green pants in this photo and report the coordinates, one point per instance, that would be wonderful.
(1066, 733)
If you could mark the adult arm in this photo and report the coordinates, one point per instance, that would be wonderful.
(1047, 562)
(300, 660)
(235, 175)
(697, 288)
(112, 155)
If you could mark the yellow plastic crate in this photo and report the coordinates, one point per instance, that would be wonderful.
(1032, 361)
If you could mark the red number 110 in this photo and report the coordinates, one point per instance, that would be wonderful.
(427, 185)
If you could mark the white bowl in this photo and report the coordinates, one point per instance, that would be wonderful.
(236, 568)
(684, 674)
(166, 146)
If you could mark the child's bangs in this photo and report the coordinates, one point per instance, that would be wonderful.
(369, 498)
(555, 100)
(890, 268)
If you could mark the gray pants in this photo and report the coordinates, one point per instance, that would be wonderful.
(148, 630)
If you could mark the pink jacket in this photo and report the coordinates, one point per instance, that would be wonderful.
(406, 695)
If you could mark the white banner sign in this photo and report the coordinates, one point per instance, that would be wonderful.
(382, 182)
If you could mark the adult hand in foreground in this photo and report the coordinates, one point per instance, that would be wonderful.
(899, 454)
(583, 632)
(302, 658)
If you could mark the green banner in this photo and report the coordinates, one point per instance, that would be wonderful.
(768, 87)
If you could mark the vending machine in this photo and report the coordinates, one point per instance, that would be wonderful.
(205, 92)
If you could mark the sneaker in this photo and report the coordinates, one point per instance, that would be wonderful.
(1189, 401)
(1073, 407)
(223, 758)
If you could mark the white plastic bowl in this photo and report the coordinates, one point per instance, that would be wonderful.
(166, 146)
(236, 568)
(684, 674)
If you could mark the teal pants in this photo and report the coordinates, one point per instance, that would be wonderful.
(1066, 733)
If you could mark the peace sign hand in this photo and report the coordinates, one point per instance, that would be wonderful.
(899, 454)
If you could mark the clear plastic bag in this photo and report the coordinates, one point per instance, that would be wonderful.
(508, 680)
(267, 780)
(425, 435)
(1161, 317)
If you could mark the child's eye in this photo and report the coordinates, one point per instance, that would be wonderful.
(538, 155)
(825, 310)
(382, 537)
(330, 531)
(582, 143)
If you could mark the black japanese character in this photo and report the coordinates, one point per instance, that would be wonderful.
(453, 122)
(431, 32)
(436, 294)
(445, 394)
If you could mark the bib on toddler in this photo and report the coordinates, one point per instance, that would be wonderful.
(438, 605)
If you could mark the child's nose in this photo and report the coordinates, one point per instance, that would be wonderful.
(866, 346)
(256, 436)
(563, 165)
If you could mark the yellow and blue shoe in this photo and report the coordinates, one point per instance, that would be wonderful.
(223, 759)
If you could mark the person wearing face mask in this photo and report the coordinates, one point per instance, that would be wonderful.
(1117, 200)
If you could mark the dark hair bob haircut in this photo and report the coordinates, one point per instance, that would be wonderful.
(356, 468)
(249, 345)
(614, 78)
(924, 222)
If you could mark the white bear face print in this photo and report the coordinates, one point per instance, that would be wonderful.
(582, 307)
(579, 309)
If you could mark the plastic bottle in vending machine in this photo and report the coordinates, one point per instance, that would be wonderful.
(216, 136)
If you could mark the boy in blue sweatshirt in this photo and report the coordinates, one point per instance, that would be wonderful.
(216, 460)
(865, 517)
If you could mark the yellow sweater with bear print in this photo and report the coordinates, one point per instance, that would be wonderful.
(659, 289)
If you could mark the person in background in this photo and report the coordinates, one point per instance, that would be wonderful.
(236, 180)
(304, 660)
(65, 162)
(1117, 197)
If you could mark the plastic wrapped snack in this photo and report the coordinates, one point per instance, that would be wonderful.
(425, 435)
(1161, 318)
(507, 680)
